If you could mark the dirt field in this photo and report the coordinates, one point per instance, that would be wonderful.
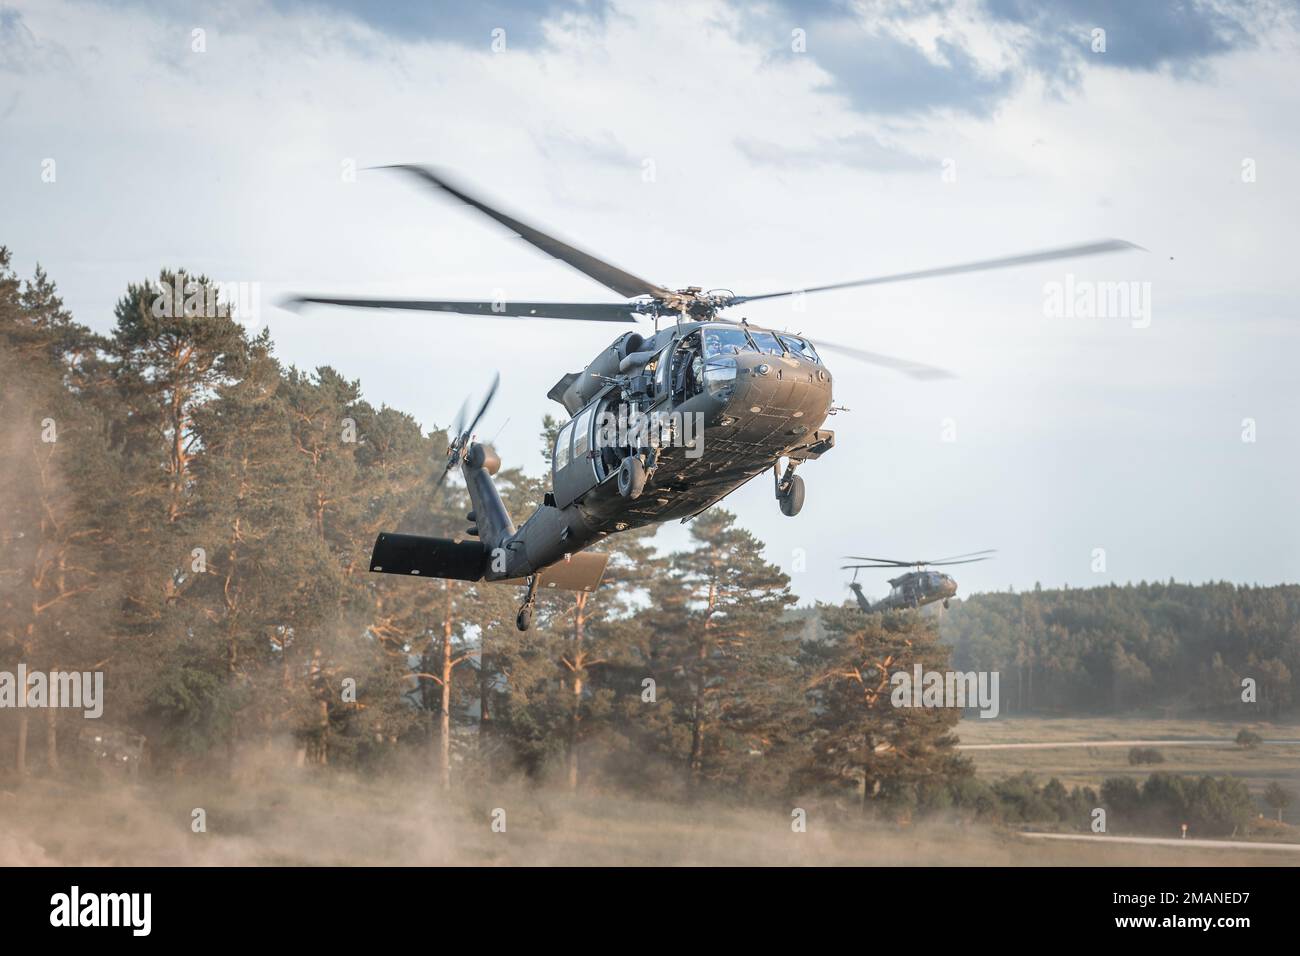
(343, 821)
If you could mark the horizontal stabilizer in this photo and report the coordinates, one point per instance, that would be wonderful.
(581, 571)
(559, 388)
(577, 572)
(415, 554)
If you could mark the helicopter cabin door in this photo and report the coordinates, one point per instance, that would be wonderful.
(574, 461)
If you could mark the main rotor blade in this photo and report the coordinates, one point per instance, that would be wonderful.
(1027, 258)
(906, 366)
(968, 554)
(581, 311)
(610, 276)
(969, 558)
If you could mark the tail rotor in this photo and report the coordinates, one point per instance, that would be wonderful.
(462, 433)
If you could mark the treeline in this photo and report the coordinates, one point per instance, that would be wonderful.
(193, 519)
(1179, 648)
(1210, 806)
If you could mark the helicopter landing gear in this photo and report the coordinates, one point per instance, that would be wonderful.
(789, 490)
(524, 619)
(631, 477)
(945, 604)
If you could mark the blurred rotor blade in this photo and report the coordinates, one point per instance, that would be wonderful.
(469, 429)
(610, 276)
(459, 433)
(968, 554)
(581, 311)
(906, 366)
(938, 564)
(877, 562)
(1027, 258)
(445, 472)
(459, 426)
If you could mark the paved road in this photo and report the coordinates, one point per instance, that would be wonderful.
(1166, 841)
(1202, 742)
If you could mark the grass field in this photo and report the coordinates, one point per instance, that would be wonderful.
(1076, 766)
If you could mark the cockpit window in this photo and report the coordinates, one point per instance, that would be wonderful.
(767, 342)
(724, 341)
(801, 348)
(562, 446)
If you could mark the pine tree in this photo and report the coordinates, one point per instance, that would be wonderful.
(58, 473)
(894, 757)
(723, 656)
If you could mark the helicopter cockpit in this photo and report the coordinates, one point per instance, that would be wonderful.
(707, 358)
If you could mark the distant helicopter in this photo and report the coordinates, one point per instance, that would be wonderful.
(915, 588)
(759, 397)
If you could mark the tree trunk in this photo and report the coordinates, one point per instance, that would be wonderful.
(697, 727)
(52, 738)
(575, 718)
(20, 763)
(444, 710)
(324, 756)
(697, 706)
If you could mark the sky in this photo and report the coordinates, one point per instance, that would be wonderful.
(754, 147)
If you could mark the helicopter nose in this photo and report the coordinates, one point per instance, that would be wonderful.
(784, 393)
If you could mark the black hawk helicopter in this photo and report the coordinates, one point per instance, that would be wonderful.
(914, 589)
(759, 396)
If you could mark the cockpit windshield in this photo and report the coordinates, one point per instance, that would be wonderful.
(801, 348)
(719, 340)
(766, 342)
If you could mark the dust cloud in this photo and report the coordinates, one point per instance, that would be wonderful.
(285, 816)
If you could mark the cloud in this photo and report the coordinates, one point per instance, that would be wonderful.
(20, 51)
(465, 24)
(1139, 36)
(877, 61)
(859, 150)
(601, 146)
(968, 56)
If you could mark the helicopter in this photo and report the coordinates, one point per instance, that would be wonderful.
(914, 589)
(662, 425)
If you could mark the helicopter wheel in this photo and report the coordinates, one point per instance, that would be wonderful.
(524, 619)
(631, 477)
(792, 498)
(945, 604)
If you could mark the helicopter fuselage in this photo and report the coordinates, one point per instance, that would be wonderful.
(718, 411)
(912, 590)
